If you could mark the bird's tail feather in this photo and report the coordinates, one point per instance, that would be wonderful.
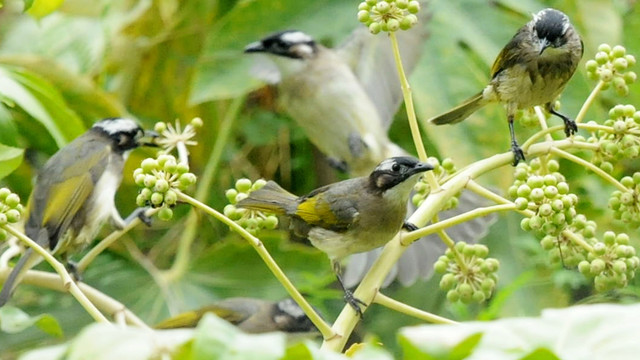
(26, 262)
(271, 198)
(461, 111)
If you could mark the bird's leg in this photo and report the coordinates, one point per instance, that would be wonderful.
(515, 148)
(139, 213)
(348, 295)
(72, 268)
(570, 126)
(356, 145)
(337, 164)
(409, 226)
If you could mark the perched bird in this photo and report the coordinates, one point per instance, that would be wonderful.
(349, 216)
(74, 193)
(532, 69)
(250, 315)
(343, 98)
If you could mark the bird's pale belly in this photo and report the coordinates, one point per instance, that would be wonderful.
(515, 88)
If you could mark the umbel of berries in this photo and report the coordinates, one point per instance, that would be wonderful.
(10, 210)
(253, 221)
(159, 179)
(388, 15)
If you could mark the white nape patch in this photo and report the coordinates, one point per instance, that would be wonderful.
(288, 306)
(386, 165)
(302, 50)
(114, 126)
(295, 37)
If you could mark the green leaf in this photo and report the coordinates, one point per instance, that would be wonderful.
(541, 354)
(27, 4)
(42, 101)
(586, 332)
(14, 320)
(10, 159)
(217, 339)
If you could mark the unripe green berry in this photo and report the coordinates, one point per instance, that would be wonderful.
(602, 57)
(162, 159)
(161, 185)
(524, 190)
(363, 16)
(159, 127)
(481, 250)
(375, 27)
(165, 214)
(196, 122)
(597, 266)
(478, 296)
(622, 239)
(448, 281)
(393, 25)
(525, 224)
(156, 198)
(383, 7)
(413, 7)
(604, 48)
(13, 215)
(630, 77)
(243, 185)
(139, 179)
(453, 295)
(545, 210)
(141, 201)
(563, 188)
(620, 64)
(584, 267)
(535, 181)
(12, 200)
(619, 266)
(521, 203)
(488, 284)
(548, 242)
(187, 179)
(150, 181)
(618, 51)
(591, 65)
(149, 165)
(170, 197)
(440, 266)
(231, 195)
(606, 75)
(170, 166)
(3, 218)
(537, 195)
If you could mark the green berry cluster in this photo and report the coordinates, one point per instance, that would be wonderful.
(441, 172)
(253, 221)
(10, 210)
(546, 195)
(626, 204)
(610, 66)
(469, 276)
(388, 15)
(622, 141)
(159, 179)
(612, 263)
(564, 249)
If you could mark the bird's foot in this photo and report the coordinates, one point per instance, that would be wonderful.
(72, 268)
(354, 302)
(570, 126)
(518, 155)
(409, 226)
(139, 213)
(339, 165)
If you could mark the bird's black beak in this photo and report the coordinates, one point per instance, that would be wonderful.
(420, 167)
(149, 139)
(255, 47)
(544, 44)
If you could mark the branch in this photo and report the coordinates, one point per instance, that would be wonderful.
(400, 307)
(69, 284)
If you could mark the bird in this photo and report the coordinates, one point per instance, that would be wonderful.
(350, 216)
(532, 69)
(343, 98)
(251, 315)
(74, 193)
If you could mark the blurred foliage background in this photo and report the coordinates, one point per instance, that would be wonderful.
(169, 59)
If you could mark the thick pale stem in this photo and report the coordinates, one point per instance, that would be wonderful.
(603, 174)
(411, 113)
(322, 326)
(396, 305)
(587, 104)
(69, 284)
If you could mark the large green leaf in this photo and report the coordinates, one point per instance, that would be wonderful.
(580, 332)
(13, 320)
(10, 159)
(42, 101)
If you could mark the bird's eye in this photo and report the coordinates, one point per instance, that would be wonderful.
(395, 167)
